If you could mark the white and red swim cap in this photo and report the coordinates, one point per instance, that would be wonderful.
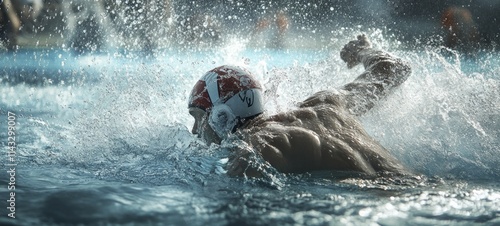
(229, 85)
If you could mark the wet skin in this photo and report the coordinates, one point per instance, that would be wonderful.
(323, 133)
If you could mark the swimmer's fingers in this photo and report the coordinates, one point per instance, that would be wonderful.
(363, 41)
(238, 164)
(349, 53)
(238, 161)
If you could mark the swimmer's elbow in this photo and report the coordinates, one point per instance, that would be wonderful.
(393, 72)
(386, 63)
(404, 67)
(402, 71)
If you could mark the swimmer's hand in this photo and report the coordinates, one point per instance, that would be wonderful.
(349, 53)
(239, 164)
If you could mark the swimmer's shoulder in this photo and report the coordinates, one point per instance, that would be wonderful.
(287, 147)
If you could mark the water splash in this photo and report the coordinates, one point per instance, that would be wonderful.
(448, 116)
(137, 110)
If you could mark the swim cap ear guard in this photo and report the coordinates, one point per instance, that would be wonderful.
(222, 120)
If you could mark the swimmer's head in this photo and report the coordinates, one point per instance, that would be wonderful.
(223, 99)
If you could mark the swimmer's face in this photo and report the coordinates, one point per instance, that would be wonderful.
(201, 126)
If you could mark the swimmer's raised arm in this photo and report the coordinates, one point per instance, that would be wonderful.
(383, 72)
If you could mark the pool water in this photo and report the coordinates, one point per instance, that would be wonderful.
(104, 139)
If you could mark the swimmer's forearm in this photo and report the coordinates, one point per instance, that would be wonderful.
(384, 66)
(383, 72)
(369, 57)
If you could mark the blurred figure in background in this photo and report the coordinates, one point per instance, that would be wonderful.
(460, 28)
(28, 10)
(278, 24)
(84, 25)
(132, 24)
(200, 29)
(141, 23)
(13, 15)
(9, 25)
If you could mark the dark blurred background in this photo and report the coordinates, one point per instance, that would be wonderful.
(407, 19)
(452, 22)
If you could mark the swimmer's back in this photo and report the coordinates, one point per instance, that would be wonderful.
(321, 137)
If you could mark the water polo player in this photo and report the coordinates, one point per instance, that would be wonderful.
(323, 133)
